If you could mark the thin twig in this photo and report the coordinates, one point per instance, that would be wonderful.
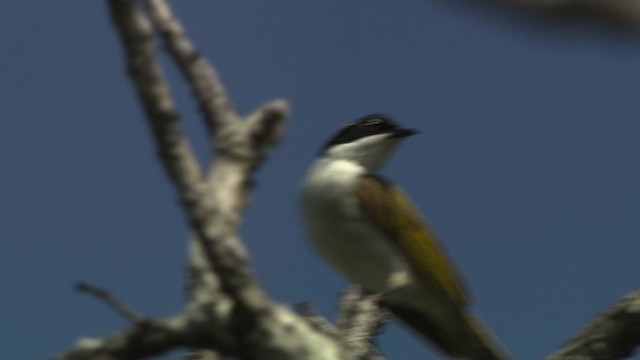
(108, 298)
(316, 320)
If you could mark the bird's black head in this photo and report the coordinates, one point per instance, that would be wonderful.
(374, 124)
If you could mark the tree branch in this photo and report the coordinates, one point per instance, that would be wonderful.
(612, 334)
(622, 14)
(619, 11)
(120, 307)
(360, 319)
(215, 105)
(229, 311)
(154, 337)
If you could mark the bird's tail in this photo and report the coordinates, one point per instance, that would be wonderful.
(484, 344)
(471, 341)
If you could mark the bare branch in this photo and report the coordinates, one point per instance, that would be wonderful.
(206, 210)
(120, 307)
(153, 90)
(203, 285)
(215, 209)
(155, 95)
(236, 318)
(316, 320)
(359, 321)
(621, 11)
(622, 14)
(612, 334)
(215, 105)
(200, 354)
(144, 339)
(360, 311)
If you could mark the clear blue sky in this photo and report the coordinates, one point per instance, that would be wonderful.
(527, 165)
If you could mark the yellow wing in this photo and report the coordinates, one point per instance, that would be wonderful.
(396, 216)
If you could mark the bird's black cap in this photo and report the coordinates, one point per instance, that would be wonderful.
(373, 124)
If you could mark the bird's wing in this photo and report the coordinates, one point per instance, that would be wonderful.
(394, 214)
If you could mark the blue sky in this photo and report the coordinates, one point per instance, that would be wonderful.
(527, 164)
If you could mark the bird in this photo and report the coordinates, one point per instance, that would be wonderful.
(372, 233)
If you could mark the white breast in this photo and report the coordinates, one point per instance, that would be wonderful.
(340, 231)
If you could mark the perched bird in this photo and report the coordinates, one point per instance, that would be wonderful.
(369, 230)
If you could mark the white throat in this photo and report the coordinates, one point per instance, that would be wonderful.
(370, 152)
(336, 176)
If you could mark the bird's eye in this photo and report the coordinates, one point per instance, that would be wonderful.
(372, 125)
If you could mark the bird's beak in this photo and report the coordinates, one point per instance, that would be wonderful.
(403, 133)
